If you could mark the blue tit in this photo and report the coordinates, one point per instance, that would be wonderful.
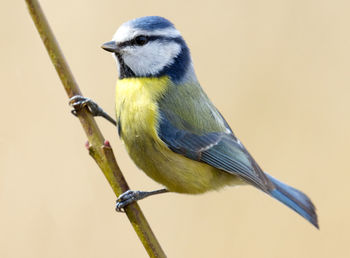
(171, 130)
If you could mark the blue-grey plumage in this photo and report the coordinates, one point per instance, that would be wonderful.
(171, 129)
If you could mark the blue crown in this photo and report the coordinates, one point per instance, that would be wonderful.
(150, 23)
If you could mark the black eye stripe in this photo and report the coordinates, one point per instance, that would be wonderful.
(133, 42)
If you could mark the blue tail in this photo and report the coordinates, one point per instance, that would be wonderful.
(295, 200)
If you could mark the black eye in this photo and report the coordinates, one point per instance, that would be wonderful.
(141, 40)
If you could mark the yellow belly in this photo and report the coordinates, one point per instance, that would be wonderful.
(137, 113)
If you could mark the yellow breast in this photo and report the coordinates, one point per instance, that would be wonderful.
(137, 115)
(136, 104)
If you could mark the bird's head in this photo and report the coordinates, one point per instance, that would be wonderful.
(150, 47)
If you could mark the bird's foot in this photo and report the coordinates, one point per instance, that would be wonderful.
(131, 196)
(126, 198)
(79, 102)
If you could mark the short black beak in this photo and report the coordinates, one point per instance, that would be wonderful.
(110, 46)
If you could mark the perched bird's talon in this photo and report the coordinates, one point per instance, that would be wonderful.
(131, 196)
(74, 112)
(79, 102)
(119, 208)
(125, 199)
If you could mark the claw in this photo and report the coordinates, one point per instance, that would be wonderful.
(126, 198)
(78, 102)
(74, 112)
(131, 196)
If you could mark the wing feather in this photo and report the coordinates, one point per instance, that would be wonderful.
(218, 149)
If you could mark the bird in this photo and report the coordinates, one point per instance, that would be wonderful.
(170, 128)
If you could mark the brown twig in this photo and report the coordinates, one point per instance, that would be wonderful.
(99, 149)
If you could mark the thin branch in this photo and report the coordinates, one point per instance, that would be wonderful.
(99, 149)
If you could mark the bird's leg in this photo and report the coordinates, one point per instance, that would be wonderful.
(78, 102)
(131, 196)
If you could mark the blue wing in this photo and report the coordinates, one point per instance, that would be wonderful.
(218, 149)
(225, 152)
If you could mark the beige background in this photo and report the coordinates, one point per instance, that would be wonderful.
(277, 70)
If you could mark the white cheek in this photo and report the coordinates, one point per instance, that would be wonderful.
(150, 58)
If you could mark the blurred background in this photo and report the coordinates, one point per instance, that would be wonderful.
(277, 70)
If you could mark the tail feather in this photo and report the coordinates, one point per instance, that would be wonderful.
(295, 200)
